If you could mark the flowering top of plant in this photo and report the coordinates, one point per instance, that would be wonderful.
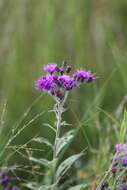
(117, 174)
(121, 154)
(58, 79)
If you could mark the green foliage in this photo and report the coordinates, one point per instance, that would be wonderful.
(123, 128)
(66, 164)
(78, 187)
(43, 140)
(34, 186)
(42, 161)
(87, 33)
(64, 141)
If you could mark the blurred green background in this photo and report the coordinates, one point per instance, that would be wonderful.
(88, 34)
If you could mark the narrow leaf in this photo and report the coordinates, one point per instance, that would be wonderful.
(31, 185)
(35, 186)
(123, 128)
(78, 187)
(48, 125)
(63, 141)
(65, 123)
(41, 161)
(46, 187)
(43, 140)
(66, 164)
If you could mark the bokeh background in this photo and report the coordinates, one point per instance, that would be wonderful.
(89, 34)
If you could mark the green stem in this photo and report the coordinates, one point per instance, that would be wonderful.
(58, 111)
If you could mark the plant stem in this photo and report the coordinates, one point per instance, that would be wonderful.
(58, 111)
(106, 174)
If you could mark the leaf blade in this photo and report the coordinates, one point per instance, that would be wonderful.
(43, 140)
(66, 164)
(63, 141)
(78, 187)
(41, 161)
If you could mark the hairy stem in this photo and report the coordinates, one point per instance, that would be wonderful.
(58, 111)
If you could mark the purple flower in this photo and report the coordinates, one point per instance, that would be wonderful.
(67, 82)
(61, 71)
(2, 174)
(124, 163)
(125, 147)
(14, 188)
(118, 148)
(57, 84)
(69, 69)
(119, 180)
(5, 180)
(121, 148)
(82, 75)
(7, 188)
(123, 187)
(121, 154)
(50, 67)
(45, 83)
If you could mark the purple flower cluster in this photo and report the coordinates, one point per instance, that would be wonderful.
(121, 155)
(123, 187)
(118, 172)
(58, 79)
(119, 166)
(5, 180)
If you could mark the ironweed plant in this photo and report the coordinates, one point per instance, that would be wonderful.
(58, 82)
(116, 176)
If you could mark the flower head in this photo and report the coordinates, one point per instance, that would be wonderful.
(121, 154)
(69, 69)
(50, 67)
(123, 187)
(45, 83)
(83, 76)
(7, 188)
(124, 159)
(2, 174)
(125, 147)
(4, 180)
(67, 82)
(57, 84)
(118, 148)
(14, 188)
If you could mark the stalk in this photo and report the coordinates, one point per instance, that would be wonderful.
(59, 109)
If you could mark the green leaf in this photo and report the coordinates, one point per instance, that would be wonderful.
(66, 164)
(49, 126)
(46, 187)
(78, 187)
(64, 123)
(31, 185)
(43, 140)
(43, 162)
(63, 141)
(123, 128)
(35, 186)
